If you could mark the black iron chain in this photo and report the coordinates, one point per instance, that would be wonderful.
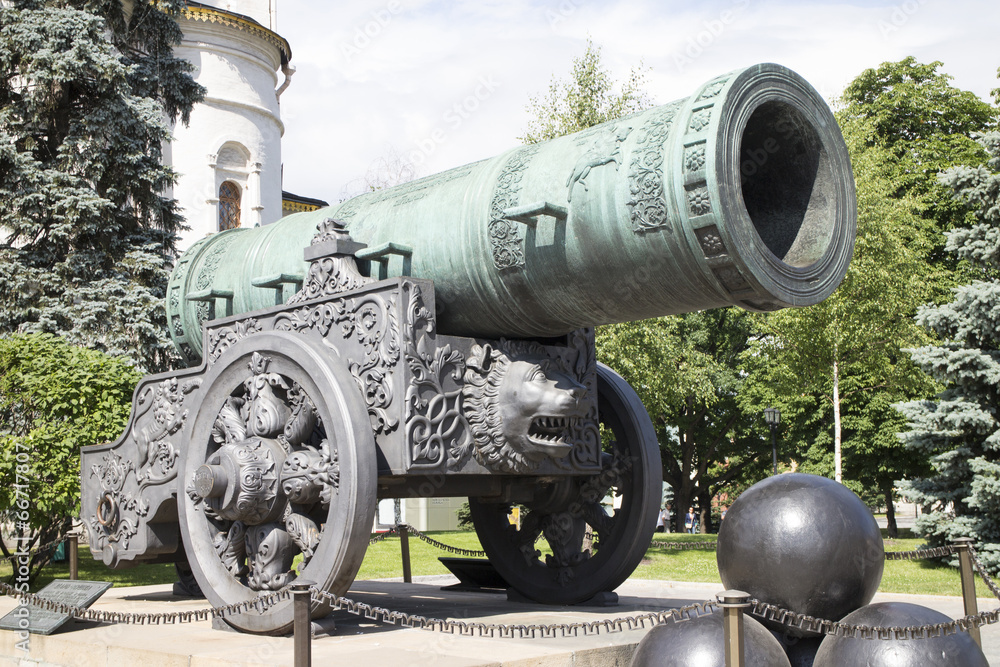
(48, 546)
(514, 631)
(792, 619)
(520, 631)
(375, 539)
(681, 546)
(429, 540)
(764, 610)
(987, 579)
(920, 554)
(445, 547)
(261, 604)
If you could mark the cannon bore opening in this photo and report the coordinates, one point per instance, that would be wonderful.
(787, 183)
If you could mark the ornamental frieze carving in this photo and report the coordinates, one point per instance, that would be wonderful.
(209, 266)
(694, 158)
(335, 272)
(505, 238)
(700, 120)
(369, 320)
(120, 508)
(221, 339)
(647, 203)
(712, 89)
(435, 426)
(711, 241)
(159, 416)
(584, 432)
(699, 201)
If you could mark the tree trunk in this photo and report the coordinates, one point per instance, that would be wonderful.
(890, 514)
(705, 512)
(682, 500)
(838, 474)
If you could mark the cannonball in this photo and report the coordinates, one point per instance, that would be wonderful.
(801, 651)
(804, 543)
(700, 642)
(957, 650)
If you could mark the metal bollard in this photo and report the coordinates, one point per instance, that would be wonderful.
(302, 623)
(73, 562)
(962, 545)
(404, 547)
(733, 603)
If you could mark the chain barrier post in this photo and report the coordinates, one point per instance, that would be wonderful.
(962, 545)
(733, 603)
(404, 547)
(302, 623)
(73, 561)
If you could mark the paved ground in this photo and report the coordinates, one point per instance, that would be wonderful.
(906, 514)
(362, 643)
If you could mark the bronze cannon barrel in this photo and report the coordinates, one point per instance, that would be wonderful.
(741, 194)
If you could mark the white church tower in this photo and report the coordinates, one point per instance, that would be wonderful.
(229, 157)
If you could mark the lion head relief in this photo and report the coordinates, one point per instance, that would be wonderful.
(519, 404)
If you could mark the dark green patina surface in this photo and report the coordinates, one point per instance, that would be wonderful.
(741, 194)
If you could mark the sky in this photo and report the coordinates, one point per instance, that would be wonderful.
(441, 84)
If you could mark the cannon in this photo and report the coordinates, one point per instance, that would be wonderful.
(437, 339)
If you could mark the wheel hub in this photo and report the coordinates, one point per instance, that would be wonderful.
(241, 481)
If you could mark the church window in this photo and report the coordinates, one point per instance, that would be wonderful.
(229, 206)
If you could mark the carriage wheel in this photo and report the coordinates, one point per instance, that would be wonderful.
(280, 478)
(593, 549)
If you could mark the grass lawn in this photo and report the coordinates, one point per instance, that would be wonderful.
(383, 561)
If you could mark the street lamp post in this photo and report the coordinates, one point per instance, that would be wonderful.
(773, 417)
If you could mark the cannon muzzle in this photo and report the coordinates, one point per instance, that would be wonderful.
(741, 194)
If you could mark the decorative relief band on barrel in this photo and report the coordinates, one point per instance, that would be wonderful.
(699, 203)
(647, 205)
(712, 89)
(700, 120)
(505, 239)
(732, 280)
(175, 300)
(208, 268)
(694, 158)
(697, 194)
(711, 242)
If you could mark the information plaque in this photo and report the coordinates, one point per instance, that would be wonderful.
(45, 622)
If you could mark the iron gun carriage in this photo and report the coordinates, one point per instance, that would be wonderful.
(436, 339)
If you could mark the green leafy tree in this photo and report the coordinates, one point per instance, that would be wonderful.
(687, 372)
(86, 236)
(54, 399)
(836, 368)
(588, 98)
(919, 125)
(959, 430)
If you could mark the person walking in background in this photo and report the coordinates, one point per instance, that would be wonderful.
(689, 520)
(663, 520)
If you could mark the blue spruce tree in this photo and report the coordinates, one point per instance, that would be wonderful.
(960, 430)
(87, 94)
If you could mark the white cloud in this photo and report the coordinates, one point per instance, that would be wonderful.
(388, 73)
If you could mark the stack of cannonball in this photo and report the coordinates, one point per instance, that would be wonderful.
(810, 545)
